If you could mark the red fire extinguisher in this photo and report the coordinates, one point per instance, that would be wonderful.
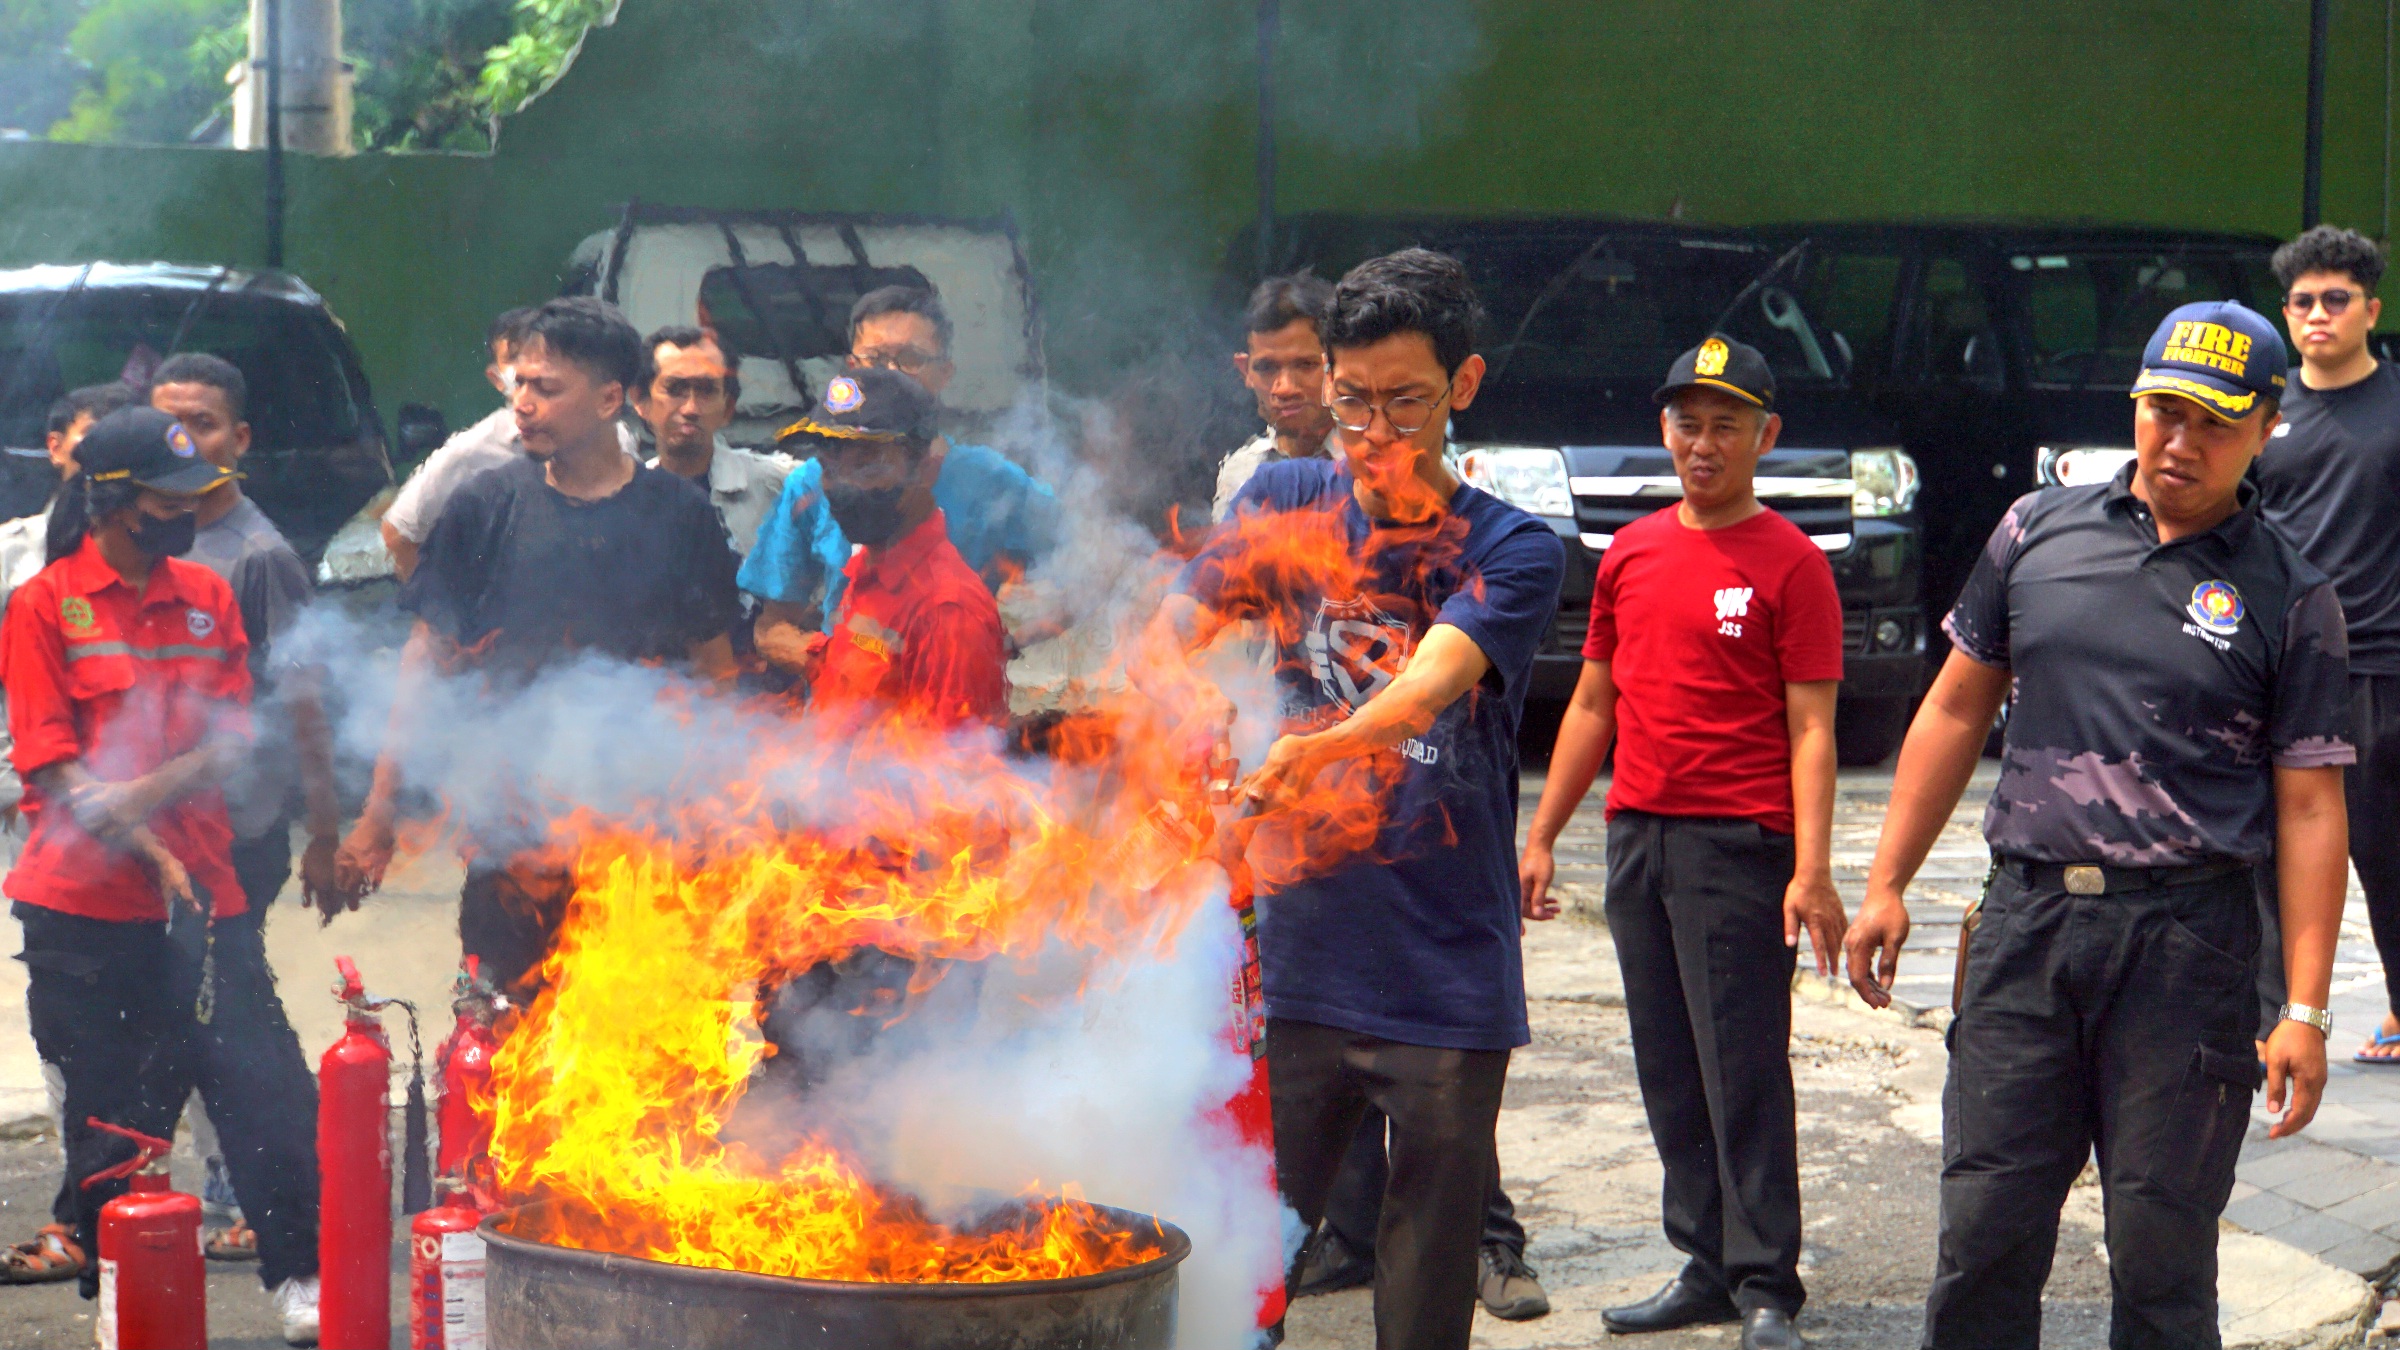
(464, 1065)
(445, 1274)
(153, 1283)
(1250, 1110)
(354, 1168)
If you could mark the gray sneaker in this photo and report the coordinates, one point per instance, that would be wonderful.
(1510, 1289)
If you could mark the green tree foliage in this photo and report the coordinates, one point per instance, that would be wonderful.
(155, 68)
(430, 74)
(546, 34)
(420, 63)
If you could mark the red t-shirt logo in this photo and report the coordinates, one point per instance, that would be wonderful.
(1733, 602)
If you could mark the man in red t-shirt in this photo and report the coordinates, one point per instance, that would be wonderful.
(1714, 653)
(918, 632)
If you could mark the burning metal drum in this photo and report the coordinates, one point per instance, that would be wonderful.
(544, 1297)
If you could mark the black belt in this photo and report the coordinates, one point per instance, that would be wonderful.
(2094, 879)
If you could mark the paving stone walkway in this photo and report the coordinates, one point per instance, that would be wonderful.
(2333, 1192)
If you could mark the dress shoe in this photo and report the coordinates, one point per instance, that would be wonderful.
(1677, 1305)
(1770, 1329)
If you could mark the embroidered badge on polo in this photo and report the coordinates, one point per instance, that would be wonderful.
(76, 613)
(200, 621)
(2217, 607)
(842, 394)
(179, 441)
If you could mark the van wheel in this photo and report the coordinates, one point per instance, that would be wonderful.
(1867, 731)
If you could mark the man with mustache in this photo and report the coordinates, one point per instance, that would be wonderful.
(1282, 361)
(1714, 653)
(2180, 717)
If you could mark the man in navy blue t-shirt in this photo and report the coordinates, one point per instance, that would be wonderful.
(1393, 980)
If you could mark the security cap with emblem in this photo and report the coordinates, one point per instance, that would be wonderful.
(2219, 355)
(149, 448)
(870, 404)
(1727, 366)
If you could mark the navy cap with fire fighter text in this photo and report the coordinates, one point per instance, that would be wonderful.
(2219, 355)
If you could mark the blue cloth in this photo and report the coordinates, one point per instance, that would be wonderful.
(1417, 941)
(993, 508)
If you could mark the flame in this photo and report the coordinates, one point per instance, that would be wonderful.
(614, 1092)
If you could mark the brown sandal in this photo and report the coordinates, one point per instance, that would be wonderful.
(237, 1243)
(49, 1258)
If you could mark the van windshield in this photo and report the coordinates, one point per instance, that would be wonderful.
(2091, 312)
(300, 388)
(1578, 309)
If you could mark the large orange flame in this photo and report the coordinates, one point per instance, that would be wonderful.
(614, 1093)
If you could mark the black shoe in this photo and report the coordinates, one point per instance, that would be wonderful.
(1770, 1329)
(1676, 1305)
(1331, 1266)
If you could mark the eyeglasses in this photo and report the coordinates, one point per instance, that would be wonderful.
(906, 360)
(1408, 414)
(676, 390)
(2335, 300)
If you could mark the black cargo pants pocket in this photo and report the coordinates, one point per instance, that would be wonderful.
(2194, 1155)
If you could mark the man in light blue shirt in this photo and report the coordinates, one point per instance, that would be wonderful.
(1000, 518)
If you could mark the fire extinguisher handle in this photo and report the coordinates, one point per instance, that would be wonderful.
(353, 987)
(147, 1149)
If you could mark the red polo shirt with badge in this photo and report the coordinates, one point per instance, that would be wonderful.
(1702, 629)
(123, 682)
(917, 631)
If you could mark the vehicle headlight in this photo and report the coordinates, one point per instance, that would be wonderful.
(2077, 465)
(1883, 482)
(1530, 478)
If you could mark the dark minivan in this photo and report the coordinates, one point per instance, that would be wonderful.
(2000, 355)
(317, 447)
(1585, 316)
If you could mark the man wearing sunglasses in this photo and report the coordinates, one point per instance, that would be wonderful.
(690, 385)
(2329, 479)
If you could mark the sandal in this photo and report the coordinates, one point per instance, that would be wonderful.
(49, 1258)
(237, 1243)
(2384, 1040)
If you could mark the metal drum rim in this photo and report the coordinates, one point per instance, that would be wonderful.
(1174, 1246)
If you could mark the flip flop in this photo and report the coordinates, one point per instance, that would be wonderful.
(2383, 1040)
(49, 1258)
(238, 1243)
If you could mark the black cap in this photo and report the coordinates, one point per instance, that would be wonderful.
(148, 447)
(870, 404)
(1725, 365)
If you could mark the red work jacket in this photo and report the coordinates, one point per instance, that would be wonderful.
(124, 683)
(917, 632)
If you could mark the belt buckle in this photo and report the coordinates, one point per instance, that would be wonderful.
(2085, 879)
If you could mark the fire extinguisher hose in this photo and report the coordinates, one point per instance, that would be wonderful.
(416, 1172)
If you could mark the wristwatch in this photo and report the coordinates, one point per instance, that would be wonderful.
(2308, 1016)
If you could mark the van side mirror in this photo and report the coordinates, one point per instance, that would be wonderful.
(422, 430)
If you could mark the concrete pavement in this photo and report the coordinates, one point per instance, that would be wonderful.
(1575, 1151)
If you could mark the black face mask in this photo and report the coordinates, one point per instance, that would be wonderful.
(868, 516)
(165, 537)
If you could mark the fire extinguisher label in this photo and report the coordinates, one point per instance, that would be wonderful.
(107, 1329)
(462, 1292)
(1249, 993)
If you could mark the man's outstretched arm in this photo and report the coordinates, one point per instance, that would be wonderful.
(1445, 665)
(1936, 761)
(1584, 734)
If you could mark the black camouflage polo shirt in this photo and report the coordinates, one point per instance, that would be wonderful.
(2156, 684)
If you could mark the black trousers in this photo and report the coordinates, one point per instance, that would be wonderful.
(1442, 1106)
(2371, 789)
(2119, 1022)
(109, 1009)
(1355, 1206)
(1696, 908)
